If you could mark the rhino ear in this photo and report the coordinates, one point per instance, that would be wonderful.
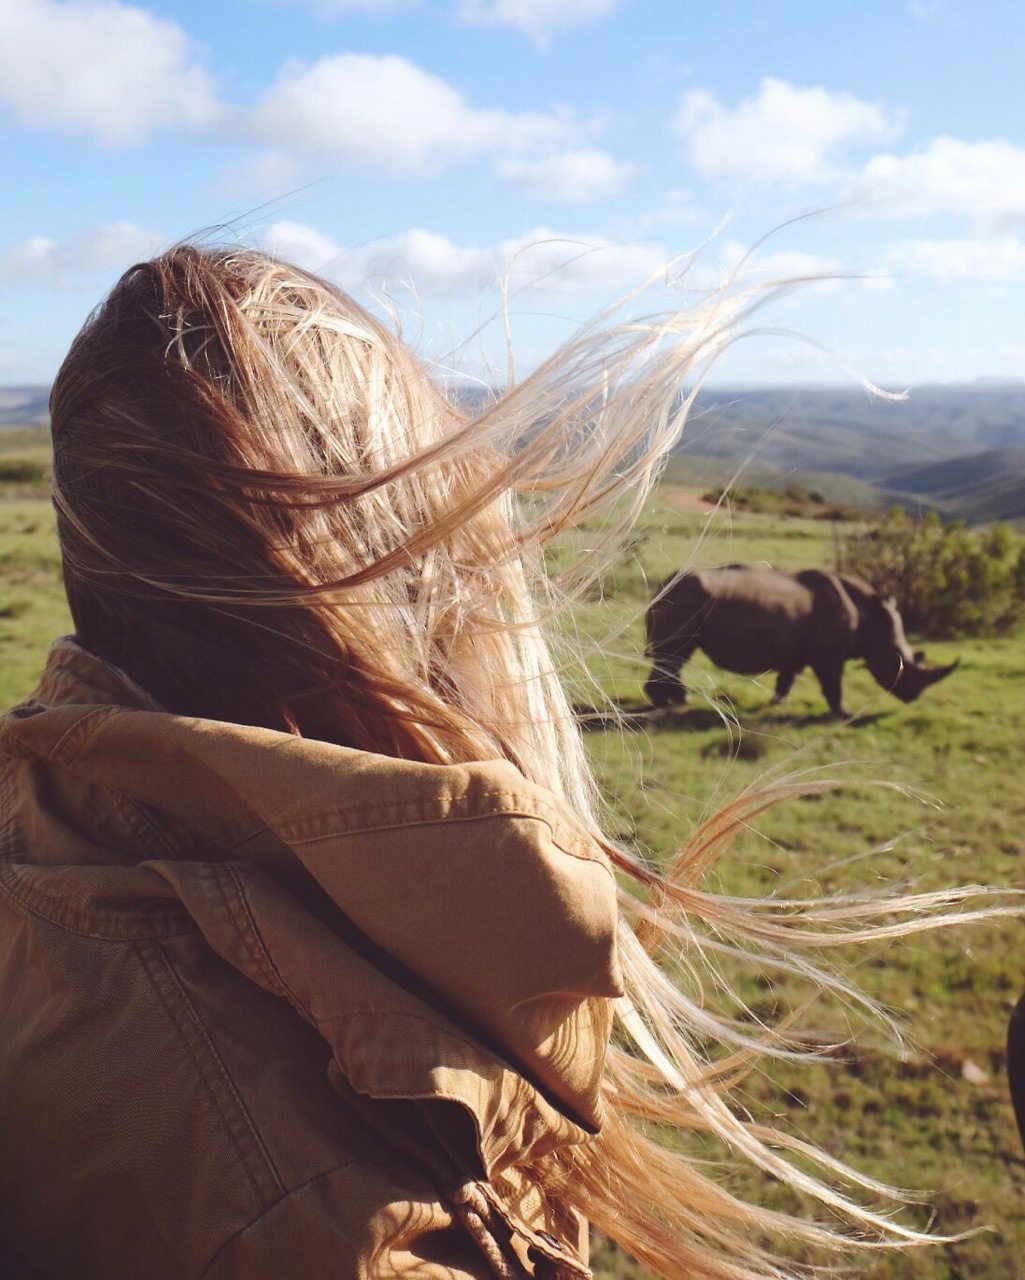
(832, 597)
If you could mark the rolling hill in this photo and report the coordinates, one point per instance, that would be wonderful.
(835, 429)
(958, 448)
(977, 486)
(24, 406)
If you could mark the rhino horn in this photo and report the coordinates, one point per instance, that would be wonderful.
(932, 674)
(913, 681)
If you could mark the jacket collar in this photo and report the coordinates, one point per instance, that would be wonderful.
(488, 912)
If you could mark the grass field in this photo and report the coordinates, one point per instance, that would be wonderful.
(934, 1115)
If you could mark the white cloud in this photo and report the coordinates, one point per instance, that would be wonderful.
(982, 179)
(302, 244)
(1000, 260)
(677, 210)
(40, 260)
(572, 177)
(420, 260)
(105, 70)
(543, 263)
(782, 133)
(387, 113)
(536, 18)
(423, 261)
(738, 265)
(783, 264)
(332, 8)
(428, 263)
(589, 265)
(266, 172)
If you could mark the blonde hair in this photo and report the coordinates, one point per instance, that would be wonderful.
(268, 513)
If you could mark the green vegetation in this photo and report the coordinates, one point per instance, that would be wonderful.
(24, 462)
(791, 501)
(32, 606)
(950, 581)
(695, 471)
(933, 1115)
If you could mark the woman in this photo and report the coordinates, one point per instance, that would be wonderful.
(310, 948)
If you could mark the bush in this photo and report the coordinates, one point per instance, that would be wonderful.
(792, 501)
(948, 580)
(22, 471)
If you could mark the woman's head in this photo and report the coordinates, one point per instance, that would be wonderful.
(267, 511)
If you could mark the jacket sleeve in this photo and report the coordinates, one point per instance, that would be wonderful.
(356, 1222)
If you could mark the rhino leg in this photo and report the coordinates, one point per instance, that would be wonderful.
(671, 636)
(830, 678)
(664, 688)
(784, 683)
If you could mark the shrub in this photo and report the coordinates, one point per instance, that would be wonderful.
(22, 471)
(948, 580)
(792, 501)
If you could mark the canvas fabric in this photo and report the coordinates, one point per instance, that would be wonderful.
(271, 1007)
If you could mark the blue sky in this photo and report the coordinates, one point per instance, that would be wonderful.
(412, 149)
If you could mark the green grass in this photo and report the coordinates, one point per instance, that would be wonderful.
(32, 606)
(910, 1118)
(24, 462)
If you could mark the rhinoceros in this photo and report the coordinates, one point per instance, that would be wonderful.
(751, 620)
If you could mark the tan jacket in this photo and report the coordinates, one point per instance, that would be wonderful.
(274, 1008)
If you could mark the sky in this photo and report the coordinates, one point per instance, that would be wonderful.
(422, 152)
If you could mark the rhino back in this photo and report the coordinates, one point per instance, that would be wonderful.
(755, 620)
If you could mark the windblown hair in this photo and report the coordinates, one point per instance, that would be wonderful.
(270, 514)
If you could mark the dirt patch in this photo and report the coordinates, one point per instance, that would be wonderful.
(686, 500)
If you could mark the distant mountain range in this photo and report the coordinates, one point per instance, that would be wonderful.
(24, 406)
(830, 429)
(979, 486)
(958, 448)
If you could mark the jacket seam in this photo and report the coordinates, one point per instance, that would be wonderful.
(369, 818)
(100, 926)
(167, 985)
(258, 938)
(146, 829)
(99, 715)
(282, 1199)
(84, 665)
(240, 913)
(8, 791)
(361, 825)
